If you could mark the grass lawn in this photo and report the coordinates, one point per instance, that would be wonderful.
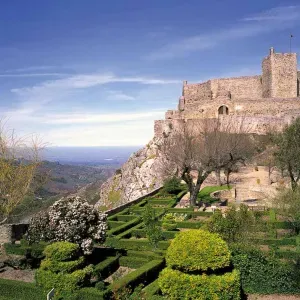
(204, 194)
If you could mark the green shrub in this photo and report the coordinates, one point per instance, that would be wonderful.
(261, 274)
(63, 282)
(16, 290)
(153, 231)
(172, 186)
(62, 251)
(61, 270)
(197, 250)
(178, 285)
(61, 266)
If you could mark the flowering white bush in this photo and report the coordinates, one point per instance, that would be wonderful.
(72, 220)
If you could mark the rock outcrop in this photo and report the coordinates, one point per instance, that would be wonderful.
(140, 175)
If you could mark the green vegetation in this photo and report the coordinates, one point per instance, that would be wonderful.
(147, 235)
(204, 194)
(195, 250)
(114, 196)
(238, 225)
(63, 269)
(17, 290)
(153, 231)
(191, 258)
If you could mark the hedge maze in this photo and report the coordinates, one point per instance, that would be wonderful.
(127, 246)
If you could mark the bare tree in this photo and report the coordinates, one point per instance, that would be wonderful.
(204, 146)
(19, 159)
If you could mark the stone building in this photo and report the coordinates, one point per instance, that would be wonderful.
(262, 100)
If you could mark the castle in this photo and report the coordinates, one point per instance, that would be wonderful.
(262, 100)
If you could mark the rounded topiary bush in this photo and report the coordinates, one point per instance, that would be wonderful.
(197, 250)
(191, 259)
(179, 285)
(63, 269)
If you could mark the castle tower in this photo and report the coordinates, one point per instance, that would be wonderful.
(279, 75)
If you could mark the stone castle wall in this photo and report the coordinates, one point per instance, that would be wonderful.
(239, 87)
(197, 92)
(280, 75)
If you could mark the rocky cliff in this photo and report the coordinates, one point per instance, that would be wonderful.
(140, 175)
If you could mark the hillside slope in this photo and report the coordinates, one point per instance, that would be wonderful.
(140, 175)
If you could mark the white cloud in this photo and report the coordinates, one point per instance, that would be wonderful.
(274, 19)
(87, 118)
(8, 75)
(282, 13)
(126, 134)
(88, 80)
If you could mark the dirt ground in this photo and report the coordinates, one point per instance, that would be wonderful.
(21, 275)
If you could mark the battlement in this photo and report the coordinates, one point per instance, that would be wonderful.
(279, 79)
(270, 97)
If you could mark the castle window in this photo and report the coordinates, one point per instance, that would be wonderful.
(223, 110)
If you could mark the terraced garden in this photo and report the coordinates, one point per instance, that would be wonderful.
(129, 261)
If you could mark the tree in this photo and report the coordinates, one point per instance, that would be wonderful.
(19, 160)
(287, 203)
(153, 230)
(287, 153)
(205, 147)
(72, 220)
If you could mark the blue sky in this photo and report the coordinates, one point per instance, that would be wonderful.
(98, 73)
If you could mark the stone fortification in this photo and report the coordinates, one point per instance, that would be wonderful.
(267, 99)
(264, 102)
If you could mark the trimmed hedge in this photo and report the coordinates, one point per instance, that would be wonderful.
(106, 267)
(141, 233)
(278, 242)
(132, 262)
(34, 250)
(287, 254)
(177, 285)
(135, 244)
(180, 210)
(129, 232)
(125, 218)
(90, 293)
(190, 225)
(124, 227)
(152, 289)
(18, 290)
(180, 195)
(114, 224)
(144, 254)
(146, 273)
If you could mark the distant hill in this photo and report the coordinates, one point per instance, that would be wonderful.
(54, 180)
